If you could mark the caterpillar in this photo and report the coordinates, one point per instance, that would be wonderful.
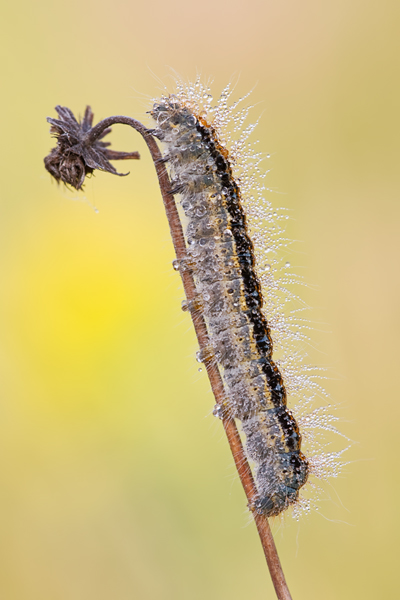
(221, 258)
(217, 188)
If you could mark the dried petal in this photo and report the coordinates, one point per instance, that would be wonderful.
(74, 157)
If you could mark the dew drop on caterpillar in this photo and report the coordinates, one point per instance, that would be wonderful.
(216, 177)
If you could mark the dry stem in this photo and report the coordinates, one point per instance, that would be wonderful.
(229, 424)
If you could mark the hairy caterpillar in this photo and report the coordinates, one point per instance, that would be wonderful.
(215, 184)
(221, 258)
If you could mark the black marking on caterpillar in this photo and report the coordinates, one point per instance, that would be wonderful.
(223, 265)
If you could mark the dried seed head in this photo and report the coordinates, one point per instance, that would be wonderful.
(76, 154)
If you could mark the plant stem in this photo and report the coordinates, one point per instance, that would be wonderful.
(213, 373)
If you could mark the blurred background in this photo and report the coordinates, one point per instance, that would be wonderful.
(116, 483)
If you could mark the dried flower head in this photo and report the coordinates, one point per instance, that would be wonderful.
(78, 153)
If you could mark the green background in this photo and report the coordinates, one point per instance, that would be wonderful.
(115, 481)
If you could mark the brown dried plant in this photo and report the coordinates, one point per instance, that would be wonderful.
(79, 151)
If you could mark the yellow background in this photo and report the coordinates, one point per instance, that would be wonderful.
(115, 481)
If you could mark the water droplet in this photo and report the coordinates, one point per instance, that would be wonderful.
(191, 120)
(287, 264)
(175, 264)
(218, 411)
(267, 267)
(199, 369)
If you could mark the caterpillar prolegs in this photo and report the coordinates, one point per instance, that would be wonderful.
(221, 258)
